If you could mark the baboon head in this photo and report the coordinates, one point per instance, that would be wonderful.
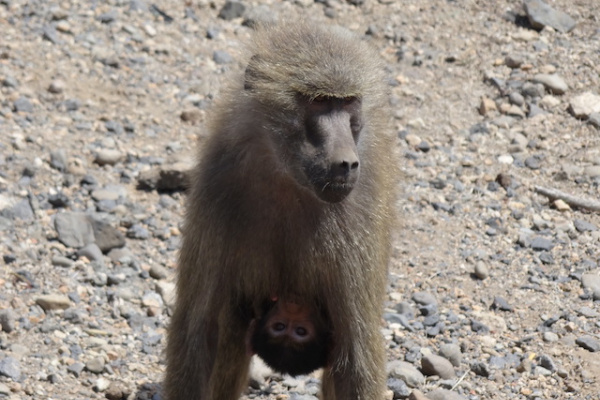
(311, 105)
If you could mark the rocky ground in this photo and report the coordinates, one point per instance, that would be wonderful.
(494, 285)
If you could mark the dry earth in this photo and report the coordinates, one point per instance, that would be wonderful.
(98, 97)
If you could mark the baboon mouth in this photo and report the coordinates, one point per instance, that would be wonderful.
(334, 192)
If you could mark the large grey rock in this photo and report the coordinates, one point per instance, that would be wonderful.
(541, 14)
(74, 229)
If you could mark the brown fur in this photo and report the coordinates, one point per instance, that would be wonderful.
(253, 228)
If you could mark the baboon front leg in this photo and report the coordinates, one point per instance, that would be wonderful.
(229, 376)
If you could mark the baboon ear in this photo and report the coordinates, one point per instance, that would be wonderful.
(251, 74)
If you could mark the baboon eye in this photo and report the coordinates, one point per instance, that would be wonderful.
(279, 326)
(301, 331)
(320, 99)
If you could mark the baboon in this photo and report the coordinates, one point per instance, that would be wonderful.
(290, 337)
(292, 197)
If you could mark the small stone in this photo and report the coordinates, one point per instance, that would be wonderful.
(76, 368)
(413, 140)
(74, 229)
(231, 10)
(486, 106)
(594, 119)
(22, 104)
(222, 57)
(424, 298)
(452, 353)
(191, 116)
(417, 395)
(548, 102)
(90, 251)
(501, 304)
(57, 86)
(549, 337)
(399, 387)
(108, 157)
(481, 270)
(513, 61)
(7, 320)
(560, 205)
(541, 14)
(585, 104)
(158, 271)
(539, 243)
(10, 367)
(516, 98)
(101, 384)
(584, 226)
(552, 82)
(481, 369)
(53, 302)
(588, 343)
(407, 372)
(444, 394)
(436, 365)
(95, 365)
(116, 391)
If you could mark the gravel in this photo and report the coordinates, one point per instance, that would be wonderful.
(494, 290)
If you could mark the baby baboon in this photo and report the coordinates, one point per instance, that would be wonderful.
(293, 196)
(290, 337)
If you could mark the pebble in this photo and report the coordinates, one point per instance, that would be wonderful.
(594, 119)
(406, 372)
(11, 368)
(452, 353)
(53, 302)
(399, 387)
(588, 343)
(7, 320)
(541, 14)
(108, 157)
(424, 298)
(22, 104)
(436, 365)
(101, 384)
(91, 251)
(481, 270)
(553, 82)
(585, 104)
(57, 86)
(74, 229)
(539, 243)
(584, 226)
(231, 10)
(222, 57)
(591, 282)
(443, 394)
(95, 365)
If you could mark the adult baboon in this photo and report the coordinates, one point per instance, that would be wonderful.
(292, 197)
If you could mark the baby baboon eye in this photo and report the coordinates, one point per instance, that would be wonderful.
(301, 332)
(278, 327)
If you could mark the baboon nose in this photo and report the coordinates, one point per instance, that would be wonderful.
(344, 169)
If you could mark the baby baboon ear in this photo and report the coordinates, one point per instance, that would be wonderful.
(251, 74)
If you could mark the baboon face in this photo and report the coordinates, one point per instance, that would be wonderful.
(322, 154)
(291, 338)
(328, 155)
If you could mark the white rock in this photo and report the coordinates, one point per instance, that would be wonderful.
(585, 104)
